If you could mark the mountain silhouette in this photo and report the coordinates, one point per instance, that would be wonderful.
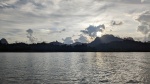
(56, 43)
(104, 39)
(106, 43)
(3, 41)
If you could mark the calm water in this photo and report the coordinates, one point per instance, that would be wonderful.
(74, 68)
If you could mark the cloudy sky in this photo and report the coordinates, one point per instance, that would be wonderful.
(73, 20)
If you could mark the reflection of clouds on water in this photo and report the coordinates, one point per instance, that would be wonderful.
(75, 68)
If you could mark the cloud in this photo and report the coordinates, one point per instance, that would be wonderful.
(5, 5)
(67, 40)
(82, 39)
(92, 30)
(56, 31)
(129, 1)
(62, 30)
(9, 1)
(144, 17)
(144, 29)
(113, 23)
(30, 35)
(144, 20)
(148, 37)
(30, 32)
(70, 15)
(145, 1)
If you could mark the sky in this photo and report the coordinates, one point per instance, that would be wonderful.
(71, 21)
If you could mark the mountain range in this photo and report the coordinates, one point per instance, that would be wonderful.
(106, 43)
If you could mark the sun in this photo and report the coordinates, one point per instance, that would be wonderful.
(99, 34)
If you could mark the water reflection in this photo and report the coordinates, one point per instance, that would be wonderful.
(74, 68)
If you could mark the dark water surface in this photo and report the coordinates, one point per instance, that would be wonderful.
(75, 68)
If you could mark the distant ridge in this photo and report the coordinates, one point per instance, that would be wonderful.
(56, 43)
(106, 43)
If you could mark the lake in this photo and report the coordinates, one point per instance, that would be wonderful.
(75, 68)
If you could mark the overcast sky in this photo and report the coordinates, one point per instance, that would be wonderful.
(66, 20)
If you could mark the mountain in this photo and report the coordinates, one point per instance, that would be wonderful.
(95, 42)
(56, 43)
(106, 43)
(104, 39)
(3, 41)
(77, 43)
